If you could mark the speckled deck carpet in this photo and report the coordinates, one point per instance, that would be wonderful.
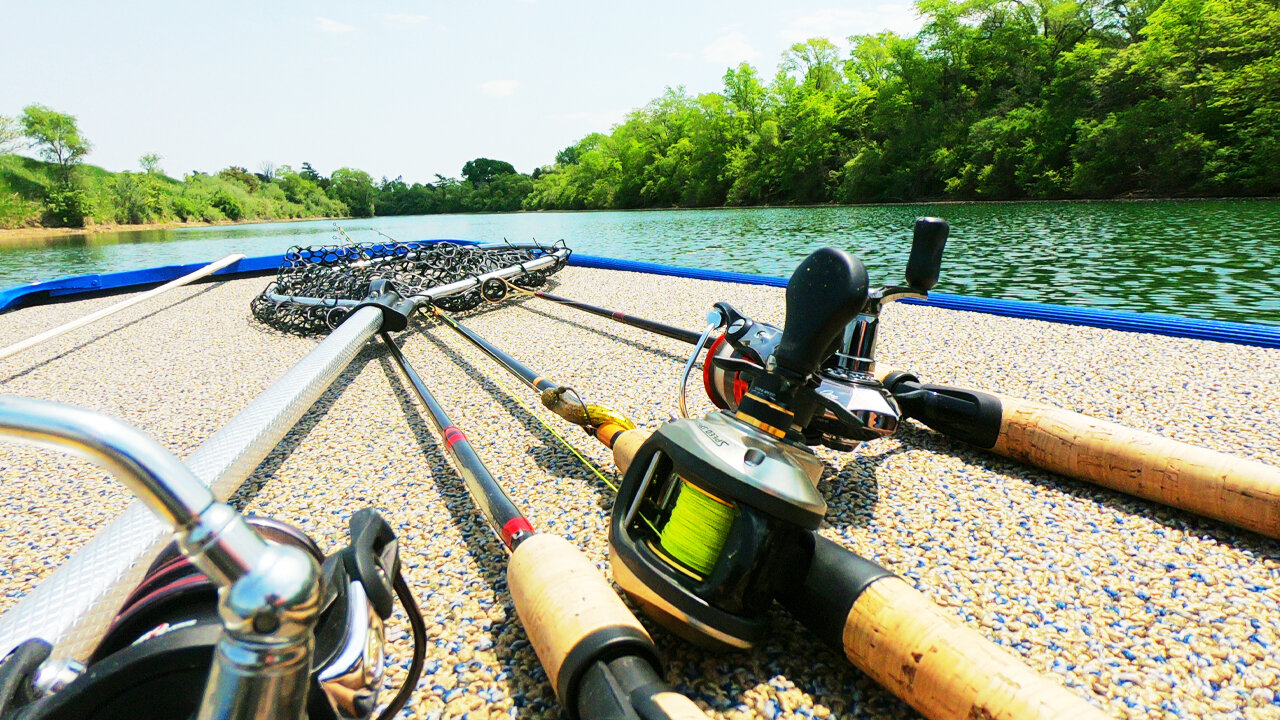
(1146, 611)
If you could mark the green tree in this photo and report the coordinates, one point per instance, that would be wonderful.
(58, 140)
(150, 163)
(353, 188)
(138, 198)
(814, 63)
(308, 173)
(235, 173)
(56, 137)
(747, 96)
(484, 170)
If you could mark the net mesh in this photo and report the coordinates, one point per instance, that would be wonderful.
(344, 272)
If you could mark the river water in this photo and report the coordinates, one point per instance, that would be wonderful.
(1204, 259)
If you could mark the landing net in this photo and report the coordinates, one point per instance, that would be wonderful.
(329, 273)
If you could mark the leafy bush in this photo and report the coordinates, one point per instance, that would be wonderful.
(227, 204)
(242, 176)
(66, 205)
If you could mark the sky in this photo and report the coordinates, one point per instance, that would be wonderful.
(411, 89)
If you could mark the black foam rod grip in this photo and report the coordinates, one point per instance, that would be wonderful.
(824, 294)
(927, 242)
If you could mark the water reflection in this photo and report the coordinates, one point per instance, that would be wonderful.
(1196, 258)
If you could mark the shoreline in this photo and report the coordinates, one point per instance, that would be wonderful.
(42, 233)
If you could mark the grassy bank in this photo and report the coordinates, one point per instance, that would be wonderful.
(31, 198)
(37, 235)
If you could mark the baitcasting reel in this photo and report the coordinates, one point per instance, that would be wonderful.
(155, 659)
(236, 619)
(712, 514)
(854, 406)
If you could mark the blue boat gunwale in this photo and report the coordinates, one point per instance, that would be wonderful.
(81, 286)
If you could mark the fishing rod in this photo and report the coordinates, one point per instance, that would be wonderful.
(495, 292)
(75, 614)
(862, 401)
(560, 399)
(716, 518)
(601, 661)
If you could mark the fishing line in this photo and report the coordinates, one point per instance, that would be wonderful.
(563, 440)
(691, 526)
(697, 528)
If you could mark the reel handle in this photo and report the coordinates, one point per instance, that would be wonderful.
(922, 654)
(824, 294)
(582, 632)
(927, 242)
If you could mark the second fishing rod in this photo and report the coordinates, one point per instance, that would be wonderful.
(601, 662)
(717, 517)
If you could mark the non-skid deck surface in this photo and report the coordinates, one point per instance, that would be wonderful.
(1147, 611)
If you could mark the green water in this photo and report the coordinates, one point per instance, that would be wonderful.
(1204, 259)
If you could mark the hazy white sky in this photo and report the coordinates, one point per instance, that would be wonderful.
(393, 88)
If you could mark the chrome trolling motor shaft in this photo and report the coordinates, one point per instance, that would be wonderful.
(269, 595)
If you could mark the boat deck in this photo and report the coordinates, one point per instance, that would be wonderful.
(1149, 612)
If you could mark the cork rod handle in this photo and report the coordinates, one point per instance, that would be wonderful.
(941, 667)
(573, 616)
(1240, 492)
(625, 444)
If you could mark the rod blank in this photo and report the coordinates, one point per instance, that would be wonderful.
(576, 622)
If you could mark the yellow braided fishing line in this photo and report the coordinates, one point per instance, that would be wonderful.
(699, 524)
(697, 529)
(563, 440)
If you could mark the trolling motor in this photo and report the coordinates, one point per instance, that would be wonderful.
(854, 405)
(714, 510)
(236, 618)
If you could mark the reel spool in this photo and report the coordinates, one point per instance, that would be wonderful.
(712, 512)
(155, 659)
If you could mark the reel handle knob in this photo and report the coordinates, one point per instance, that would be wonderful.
(927, 242)
(824, 294)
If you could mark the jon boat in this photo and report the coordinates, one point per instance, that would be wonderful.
(1135, 608)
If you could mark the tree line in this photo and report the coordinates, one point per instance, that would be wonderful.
(991, 100)
(59, 190)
